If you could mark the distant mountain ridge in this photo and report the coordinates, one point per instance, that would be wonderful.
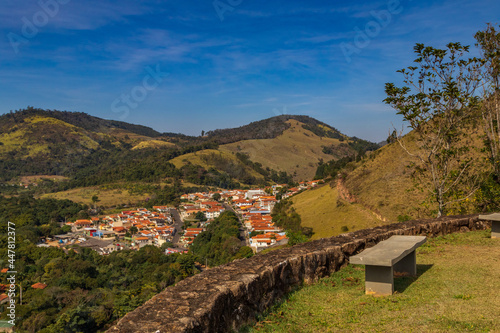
(268, 128)
(271, 128)
(79, 119)
(35, 141)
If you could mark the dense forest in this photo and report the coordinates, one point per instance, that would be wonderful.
(37, 217)
(87, 291)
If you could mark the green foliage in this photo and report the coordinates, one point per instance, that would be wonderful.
(133, 230)
(37, 217)
(295, 238)
(200, 176)
(285, 217)
(87, 291)
(332, 168)
(220, 244)
(487, 198)
(200, 216)
(404, 218)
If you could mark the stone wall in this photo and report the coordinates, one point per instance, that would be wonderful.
(224, 298)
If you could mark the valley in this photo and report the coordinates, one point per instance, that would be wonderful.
(82, 187)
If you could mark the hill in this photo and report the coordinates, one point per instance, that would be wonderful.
(378, 189)
(92, 151)
(78, 119)
(370, 192)
(220, 160)
(328, 212)
(46, 142)
(297, 150)
(271, 128)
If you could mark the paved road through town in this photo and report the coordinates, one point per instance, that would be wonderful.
(178, 226)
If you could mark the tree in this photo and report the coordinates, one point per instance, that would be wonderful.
(438, 105)
(488, 42)
(200, 216)
(95, 200)
(216, 196)
(133, 230)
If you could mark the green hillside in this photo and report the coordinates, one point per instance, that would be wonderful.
(43, 142)
(298, 150)
(36, 135)
(90, 151)
(78, 119)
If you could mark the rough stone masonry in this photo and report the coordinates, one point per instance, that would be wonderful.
(226, 297)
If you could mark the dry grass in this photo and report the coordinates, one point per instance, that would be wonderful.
(108, 198)
(196, 158)
(322, 210)
(37, 178)
(456, 291)
(383, 181)
(295, 151)
(153, 144)
(384, 184)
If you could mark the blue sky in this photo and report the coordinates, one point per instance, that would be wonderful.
(188, 66)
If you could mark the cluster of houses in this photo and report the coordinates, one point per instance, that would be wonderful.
(254, 206)
(133, 229)
(201, 202)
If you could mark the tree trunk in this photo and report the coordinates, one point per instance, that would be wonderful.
(440, 201)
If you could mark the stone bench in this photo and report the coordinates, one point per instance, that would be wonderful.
(495, 223)
(381, 261)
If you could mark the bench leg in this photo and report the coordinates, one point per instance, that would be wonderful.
(495, 229)
(379, 280)
(407, 265)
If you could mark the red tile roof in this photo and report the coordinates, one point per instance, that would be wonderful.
(39, 285)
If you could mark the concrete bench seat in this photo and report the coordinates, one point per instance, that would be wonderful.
(495, 223)
(394, 254)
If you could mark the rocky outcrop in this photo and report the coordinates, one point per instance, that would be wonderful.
(224, 298)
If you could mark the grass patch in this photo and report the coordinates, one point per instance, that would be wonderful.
(455, 291)
(319, 211)
(107, 198)
(153, 144)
